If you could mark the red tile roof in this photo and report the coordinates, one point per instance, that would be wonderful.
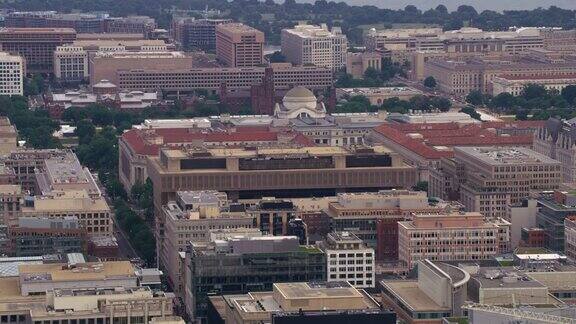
(453, 134)
(143, 141)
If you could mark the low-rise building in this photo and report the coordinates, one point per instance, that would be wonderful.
(330, 302)
(452, 237)
(515, 85)
(349, 259)
(570, 237)
(553, 211)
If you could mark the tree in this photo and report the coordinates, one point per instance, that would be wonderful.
(277, 57)
(503, 100)
(421, 186)
(441, 103)
(534, 91)
(430, 82)
(472, 112)
(85, 130)
(569, 94)
(475, 98)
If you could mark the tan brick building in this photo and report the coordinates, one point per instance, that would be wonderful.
(238, 45)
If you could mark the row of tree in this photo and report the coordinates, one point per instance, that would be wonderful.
(534, 100)
(417, 103)
(270, 16)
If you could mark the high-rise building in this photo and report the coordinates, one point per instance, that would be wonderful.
(238, 45)
(36, 45)
(196, 34)
(488, 179)
(240, 265)
(315, 45)
(12, 73)
(451, 237)
(349, 259)
(358, 63)
(555, 139)
(70, 63)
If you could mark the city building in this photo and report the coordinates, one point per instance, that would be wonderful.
(488, 179)
(423, 145)
(189, 219)
(70, 63)
(553, 210)
(439, 291)
(315, 45)
(373, 216)
(404, 41)
(239, 45)
(196, 34)
(521, 215)
(272, 216)
(555, 139)
(8, 136)
(460, 76)
(91, 23)
(570, 237)
(330, 302)
(36, 45)
(349, 259)
(12, 73)
(11, 198)
(240, 265)
(452, 237)
(187, 79)
(358, 63)
(136, 145)
(78, 291)
(515, 84)
(105, 65)
(299, 102)
(478, 313)
(378, 95)
(40, 236)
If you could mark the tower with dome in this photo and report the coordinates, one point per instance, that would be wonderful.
(299, 102)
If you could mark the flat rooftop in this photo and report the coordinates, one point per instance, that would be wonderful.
(505, 278)
(80, 272)
(494, 155)
(411, 296)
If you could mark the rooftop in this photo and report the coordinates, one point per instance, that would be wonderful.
(410, 295)
(79, 272)
(493, 155)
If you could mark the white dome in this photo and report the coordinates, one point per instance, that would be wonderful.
(299, 97)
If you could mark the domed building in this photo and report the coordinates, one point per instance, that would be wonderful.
(299, 102)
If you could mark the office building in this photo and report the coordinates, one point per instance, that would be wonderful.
(349, 259)
(488, 179)
(136, 145)
(358, 63)
(460, 76)
(196, 34)
(570, 237)
(515, 85)
(11, 198)
(452, 237)
(555, 139)
(78, 291)
(105, 65)
(239, 45)
(8, 136)
(373, 217)
(36, 45)
(423, 145)
(315, 45)
(290, 303)
(241, 265)
(553, 210)
(91, 23)
(152, 78)
(272, 216)
(12, 73)
(255, 172)
(190, 218)
(70, 63)
(39, 236)
(521, 215)
(439, 291)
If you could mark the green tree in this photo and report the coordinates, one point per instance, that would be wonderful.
(421, 186)
(534, 91)
(85, 130)
(475, 98)
(277, 57)
(472, 112)
(430, 82)
(569, 94)
(441, 103)
(503, 100)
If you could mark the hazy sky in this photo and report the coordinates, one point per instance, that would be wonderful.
(480, 5)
